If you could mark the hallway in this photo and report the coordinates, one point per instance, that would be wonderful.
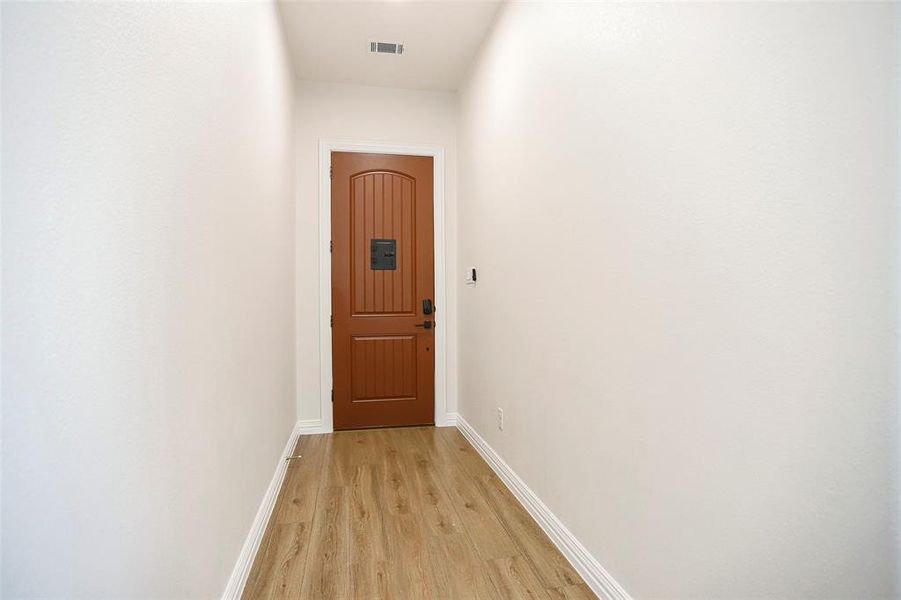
(450, 299)
(402, 513)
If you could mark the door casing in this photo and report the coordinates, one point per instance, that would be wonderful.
(326, 147)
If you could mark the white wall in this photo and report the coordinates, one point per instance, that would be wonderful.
(363, 114)
(685, 220)
(148, 295)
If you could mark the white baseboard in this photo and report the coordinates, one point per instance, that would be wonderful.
(312, 426)
(449, 420)
(238, 579)
(597, 578)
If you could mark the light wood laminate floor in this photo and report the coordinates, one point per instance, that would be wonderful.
(403, 513)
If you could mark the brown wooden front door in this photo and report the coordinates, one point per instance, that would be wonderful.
(383, 353)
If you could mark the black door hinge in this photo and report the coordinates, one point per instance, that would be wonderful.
(331, 245)
(331, 171)
(331, 320)
(333, 396)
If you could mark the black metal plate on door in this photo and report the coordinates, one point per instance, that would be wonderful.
(383, 255)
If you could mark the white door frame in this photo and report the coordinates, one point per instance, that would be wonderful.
(326, 147)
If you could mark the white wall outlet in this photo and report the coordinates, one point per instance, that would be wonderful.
(500, 418)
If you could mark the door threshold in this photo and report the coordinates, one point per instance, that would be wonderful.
(371, 427)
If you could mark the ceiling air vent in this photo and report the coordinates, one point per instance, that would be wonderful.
(386, 48)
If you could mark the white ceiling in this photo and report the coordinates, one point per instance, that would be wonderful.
(329, 40)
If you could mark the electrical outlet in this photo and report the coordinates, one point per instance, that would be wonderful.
(500, 418)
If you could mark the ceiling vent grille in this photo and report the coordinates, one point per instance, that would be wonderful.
(386, 47)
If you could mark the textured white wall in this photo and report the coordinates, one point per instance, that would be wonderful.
(685, 220)
(364, 114)
(148, 295)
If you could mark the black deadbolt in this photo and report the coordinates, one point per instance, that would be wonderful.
(427, 307)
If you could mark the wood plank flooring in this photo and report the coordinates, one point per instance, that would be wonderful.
(403, 513)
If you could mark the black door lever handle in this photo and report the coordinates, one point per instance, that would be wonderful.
(427, 324)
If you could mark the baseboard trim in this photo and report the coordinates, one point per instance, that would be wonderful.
(311, 427)
(315, 426)
(597, 578)
(449, 420)
(239, 575)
